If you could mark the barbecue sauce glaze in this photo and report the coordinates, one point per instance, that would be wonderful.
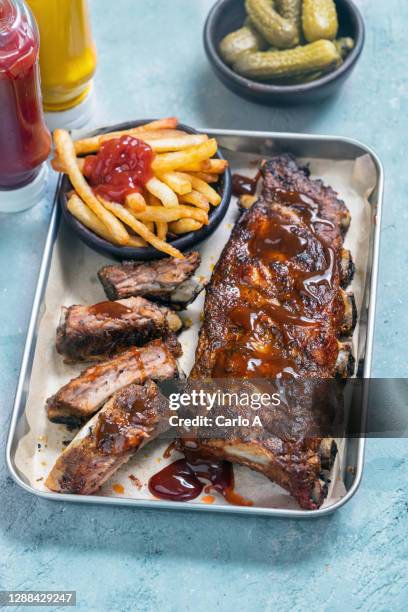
(109, 310)
(118, 434)
(259, 321)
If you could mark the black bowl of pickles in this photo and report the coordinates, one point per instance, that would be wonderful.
(284, 51)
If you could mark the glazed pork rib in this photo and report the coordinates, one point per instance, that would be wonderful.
(274, 308)
(79, 399)
(168, 280)
(132, 418)
(95, 333)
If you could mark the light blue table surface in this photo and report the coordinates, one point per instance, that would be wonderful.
(152, 63)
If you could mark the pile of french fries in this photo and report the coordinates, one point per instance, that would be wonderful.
(176, 200)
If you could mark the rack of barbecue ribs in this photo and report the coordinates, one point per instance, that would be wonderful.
(170, 281)
(276, 308)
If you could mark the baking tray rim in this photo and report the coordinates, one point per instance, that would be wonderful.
(28, 354)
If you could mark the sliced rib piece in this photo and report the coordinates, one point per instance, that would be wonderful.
(95, 333)
(79, 399)
(131, 419)
(167, 280)
(275, 308)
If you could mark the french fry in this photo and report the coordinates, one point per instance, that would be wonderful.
(183, 226)
(208, 192)
(178, 182)
(206, 176)
(167, 215)
(183, 159)
(159, 124)
(137, 226)
(211, 166)
(197, 199)
(136, 202)
(58, 166)
(175, 144)
(80, 211)
(163, 192)
(136, 242)
(66, 152)
(159, 140)
(87, 145)
(90, 145)
(216, 166)
(143, 135)
(161, 229)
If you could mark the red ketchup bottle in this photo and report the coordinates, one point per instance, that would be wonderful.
(25, 141)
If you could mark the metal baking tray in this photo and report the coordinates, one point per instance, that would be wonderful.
(263, 144)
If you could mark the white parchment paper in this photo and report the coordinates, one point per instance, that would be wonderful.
(73, 280)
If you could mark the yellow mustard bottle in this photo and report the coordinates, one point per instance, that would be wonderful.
(67, 52)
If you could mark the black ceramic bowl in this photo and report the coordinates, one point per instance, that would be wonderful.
(229, 15)
(184, 242)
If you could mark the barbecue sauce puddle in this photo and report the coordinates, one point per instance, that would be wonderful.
(182, 480)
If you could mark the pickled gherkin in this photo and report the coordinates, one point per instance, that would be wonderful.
(303, 60)
(344, 46)
(291, 10)
(274, 28)
(319, 19)
(265, 45)
(244, 40)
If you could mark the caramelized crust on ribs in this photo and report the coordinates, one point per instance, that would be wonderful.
(129, 420)
(275, 308)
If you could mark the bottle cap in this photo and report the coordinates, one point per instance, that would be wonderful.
(72, 118)
(16, 200)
